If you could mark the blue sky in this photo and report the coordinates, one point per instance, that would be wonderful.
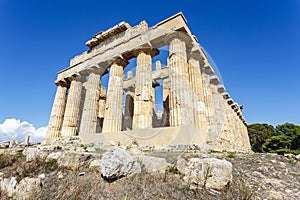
(255, 44)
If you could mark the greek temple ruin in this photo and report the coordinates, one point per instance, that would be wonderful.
(155, 86)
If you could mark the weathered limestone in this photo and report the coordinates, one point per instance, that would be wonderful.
(193, 106)
(71, 117)
(128, 115)
(58, 110)
(199, 103)
(116, 163)
(113, 110)
(91, 105)
(166, 104)
(102, 102)
(210, 173)
(143, 106)
(181, 101)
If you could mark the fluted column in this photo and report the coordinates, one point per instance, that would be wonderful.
(71, 117)
(143, 105)
(166, 104)
(58, 110)
(181, 105)
(129, 106)
(91, 105)
(210, 114)
(113, 109)
(197, 85)
(102, 102)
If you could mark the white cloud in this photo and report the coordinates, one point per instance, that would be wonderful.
(14, 129)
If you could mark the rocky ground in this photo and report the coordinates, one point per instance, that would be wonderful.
(67, 174)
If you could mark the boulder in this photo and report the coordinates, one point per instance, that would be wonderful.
(116, 163)
(28, 188)
(55, 155)
(95, 164)
(9, 186)
(69, 161)
(34, 153)
(152, 164)
(210, 173)
(181, 164)
(25, 190)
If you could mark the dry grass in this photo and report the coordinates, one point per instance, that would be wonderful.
(90, 184)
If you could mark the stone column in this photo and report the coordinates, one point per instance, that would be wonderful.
(71, 117)
(166, 96)
(129, 104)
(181, 105)
(208, 99)
(143, 106)
(58, 110)
(197, 85)
(101, 112)
(113, 109)
(91, 105)
(102, 102)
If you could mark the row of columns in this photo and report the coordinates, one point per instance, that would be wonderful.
(64, 119)
(187, 92)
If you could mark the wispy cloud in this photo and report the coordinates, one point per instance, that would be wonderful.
(14, 129)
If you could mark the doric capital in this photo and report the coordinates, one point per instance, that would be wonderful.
(76, 76)
(195, 51)
(221, 88)
(214, 80)
(182, 36)
(147, 50)
(63, 83)
(121, 61)
(95, 69)
(226, 95)
(229, 101)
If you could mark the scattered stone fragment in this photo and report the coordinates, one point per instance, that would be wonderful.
(26, 142)
(211, 173)
(152, 164)
(116, 163)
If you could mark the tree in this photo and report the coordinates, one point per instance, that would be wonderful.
(258, 134)
(277, 144)
(287, 139)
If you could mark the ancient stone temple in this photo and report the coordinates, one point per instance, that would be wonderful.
(156, 86)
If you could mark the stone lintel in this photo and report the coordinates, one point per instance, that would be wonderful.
(163, 73)
(105, 55)
(101, 36)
